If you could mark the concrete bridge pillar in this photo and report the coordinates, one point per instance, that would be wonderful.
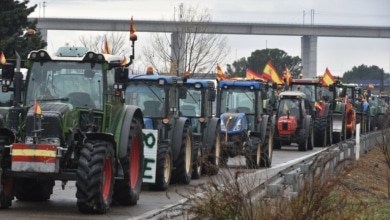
(309, 55)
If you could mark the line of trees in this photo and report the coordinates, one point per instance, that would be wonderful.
(198, 52)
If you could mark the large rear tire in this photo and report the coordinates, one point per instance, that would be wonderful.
(127, 190)
(95, 177)
(320, 131)
(183, 164)
(33, 190)
(163, 168)
(197, 161)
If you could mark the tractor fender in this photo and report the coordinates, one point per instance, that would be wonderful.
(210, 131)
(263, 127)
(178, 131)
(100, 136)
(7, 137)
(307, 123)
(130, 112)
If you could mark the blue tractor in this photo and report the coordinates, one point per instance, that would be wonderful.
(158, 97)
(246, 129)
(199, 108)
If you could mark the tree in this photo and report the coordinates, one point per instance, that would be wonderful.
(279, 59)
(194, 51)
(116, 41)
(14, 26)
(259, 58)
(363, 72)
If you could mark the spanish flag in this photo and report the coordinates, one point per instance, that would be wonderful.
(327, 79)
(250, 74)
(2, 58)
(287, 76)
(220, 74)
(270, 73)
(37, 108)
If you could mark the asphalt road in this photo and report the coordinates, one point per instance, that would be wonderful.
(62, 204)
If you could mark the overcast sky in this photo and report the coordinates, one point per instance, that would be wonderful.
(338, 54)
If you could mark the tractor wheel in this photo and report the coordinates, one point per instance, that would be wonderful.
(253, 154)
(320, 132)
(127, 190)
(197, 161)
(372, 123)
(214, 157)
(33, 190)
(6, 194)
(303, 140)
(183, 165)
(277, 144)
(267, 148)
(95, 177)
(163, 168)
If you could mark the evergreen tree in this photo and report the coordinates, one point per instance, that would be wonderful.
(14, 26)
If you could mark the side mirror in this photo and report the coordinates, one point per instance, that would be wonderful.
(7, 74)
(332, 88)
(211, 96)
(182, 92)
(121, 78)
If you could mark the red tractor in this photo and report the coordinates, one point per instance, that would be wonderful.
(293, 124)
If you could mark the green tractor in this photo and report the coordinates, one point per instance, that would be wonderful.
(198, 108)
(169, 151)
(72, 125)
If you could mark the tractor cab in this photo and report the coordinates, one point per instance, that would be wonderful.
(293, 124)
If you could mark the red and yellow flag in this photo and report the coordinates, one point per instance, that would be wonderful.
(270, 73)
(2, 58)
(327, 79)
(287, 76)
(37, 108)
(220, 74)
(106, 48)
(132, 27)
(250, 74)
(124, 61)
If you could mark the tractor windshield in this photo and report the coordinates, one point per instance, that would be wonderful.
(238, 100)
(288, 106)
(149, 98)
(309, 90)
(70, 82)
(190, 106)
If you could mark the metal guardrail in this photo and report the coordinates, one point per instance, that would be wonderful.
(286, 181)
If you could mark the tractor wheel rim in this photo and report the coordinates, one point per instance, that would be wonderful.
(107, 177)
(167, 168)
(134, 162)
(188, 154)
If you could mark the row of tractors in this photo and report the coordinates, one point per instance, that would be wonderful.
(80, 116)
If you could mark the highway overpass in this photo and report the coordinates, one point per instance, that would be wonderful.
(309, 33)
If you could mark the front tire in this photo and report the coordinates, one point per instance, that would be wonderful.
(183, 164)
(95, 177)
(163, 168)
(127, 190)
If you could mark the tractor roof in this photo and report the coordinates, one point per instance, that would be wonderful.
(296, 94)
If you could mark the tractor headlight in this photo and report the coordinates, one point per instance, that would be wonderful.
(238, 125)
